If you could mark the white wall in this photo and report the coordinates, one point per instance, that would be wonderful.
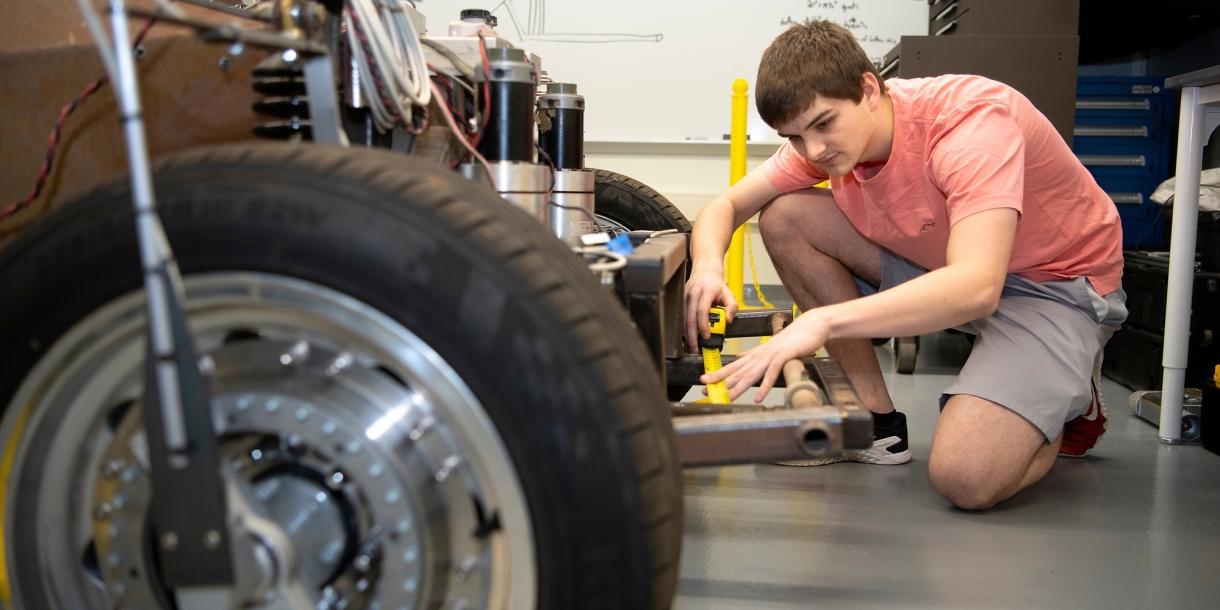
(690, 182)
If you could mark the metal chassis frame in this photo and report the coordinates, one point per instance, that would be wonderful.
(822, 415)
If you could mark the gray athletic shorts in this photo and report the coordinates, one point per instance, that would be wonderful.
(1037, 354)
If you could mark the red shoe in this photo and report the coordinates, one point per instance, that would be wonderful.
(1080, 435)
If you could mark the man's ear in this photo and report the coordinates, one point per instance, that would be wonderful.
(872, 89)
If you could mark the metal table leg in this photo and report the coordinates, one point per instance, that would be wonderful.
(1191, 138)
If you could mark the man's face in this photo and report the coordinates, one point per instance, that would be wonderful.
(833, 134)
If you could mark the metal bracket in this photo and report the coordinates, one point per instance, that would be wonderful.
(188, 505)
(711, 435)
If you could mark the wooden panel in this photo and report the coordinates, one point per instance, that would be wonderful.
(189, 100)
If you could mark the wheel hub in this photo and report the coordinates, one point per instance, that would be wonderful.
(345, 487)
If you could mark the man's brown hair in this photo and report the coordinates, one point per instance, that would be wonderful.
(813, 58)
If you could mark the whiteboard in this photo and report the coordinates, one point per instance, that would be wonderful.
(662, 70)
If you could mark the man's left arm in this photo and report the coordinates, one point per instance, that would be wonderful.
(968, 287)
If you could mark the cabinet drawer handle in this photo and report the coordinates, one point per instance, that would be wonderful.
(1110, 132)
(1113, 105)
(890, 67)
(1127, 198)
(942, 14)
(1113, 160)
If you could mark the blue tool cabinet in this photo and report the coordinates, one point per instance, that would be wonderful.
(1124, 133)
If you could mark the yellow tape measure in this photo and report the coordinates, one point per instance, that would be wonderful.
(717, 392)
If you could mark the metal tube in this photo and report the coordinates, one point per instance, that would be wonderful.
(764, 435)
(154, 252)
(1181, 264)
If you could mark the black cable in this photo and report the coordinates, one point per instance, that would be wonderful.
(1160, 210)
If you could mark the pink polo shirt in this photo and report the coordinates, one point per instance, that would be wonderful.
(962, 145)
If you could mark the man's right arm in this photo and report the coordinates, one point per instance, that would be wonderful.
(710, 240)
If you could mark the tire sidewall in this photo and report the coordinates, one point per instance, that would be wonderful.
(519, 353)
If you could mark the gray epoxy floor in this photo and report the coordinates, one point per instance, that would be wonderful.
(1134, 525)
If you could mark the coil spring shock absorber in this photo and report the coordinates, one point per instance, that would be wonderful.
(284, 85)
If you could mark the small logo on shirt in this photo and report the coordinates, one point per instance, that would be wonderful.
(927, 226)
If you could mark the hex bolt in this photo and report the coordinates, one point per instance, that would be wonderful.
(336, 479)
(341, 363)
(112, 467)
(299, 352)
(451, 463)
(102, 511)
(422, 428)
(169, 541)
(330, 553)
(211, 540)
(205, 364)
(468, 565)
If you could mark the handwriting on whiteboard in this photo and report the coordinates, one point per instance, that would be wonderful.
(849, 14)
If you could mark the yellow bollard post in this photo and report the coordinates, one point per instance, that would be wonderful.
(735, 260)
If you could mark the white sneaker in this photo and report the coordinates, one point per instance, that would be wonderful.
(879, 453)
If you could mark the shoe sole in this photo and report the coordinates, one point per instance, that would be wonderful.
(875, 455)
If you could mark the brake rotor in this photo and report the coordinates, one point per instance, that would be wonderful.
(346, 489)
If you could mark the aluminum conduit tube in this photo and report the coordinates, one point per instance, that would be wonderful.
(1181, 264)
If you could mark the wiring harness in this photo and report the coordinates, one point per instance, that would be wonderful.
(391, 58)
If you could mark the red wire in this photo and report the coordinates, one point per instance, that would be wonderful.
(53, 140)
(486, 90)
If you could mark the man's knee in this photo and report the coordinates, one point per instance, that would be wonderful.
(961, 482)
(778, 221)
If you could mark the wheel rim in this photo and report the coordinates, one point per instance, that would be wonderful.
(611, 225)
(318, 398)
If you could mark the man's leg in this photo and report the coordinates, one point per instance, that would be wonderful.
(816, 251)
(983, 453)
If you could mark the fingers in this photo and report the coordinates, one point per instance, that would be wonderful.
(692, 322)
(773, 370)
(697, 303)
(730, 303)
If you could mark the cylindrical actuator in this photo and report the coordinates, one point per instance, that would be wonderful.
(572, 212)
(509, 134)
(524, 185)
(561, 132)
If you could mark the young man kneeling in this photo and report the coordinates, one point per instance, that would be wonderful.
(952, 202)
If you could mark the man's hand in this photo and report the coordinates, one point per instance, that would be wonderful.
(703, 289)
(801, 338)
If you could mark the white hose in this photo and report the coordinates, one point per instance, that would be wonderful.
(394, 53)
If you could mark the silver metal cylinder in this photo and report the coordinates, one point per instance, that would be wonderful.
(572, 212)
(508, 64)
(561, 95)
(525, 185)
